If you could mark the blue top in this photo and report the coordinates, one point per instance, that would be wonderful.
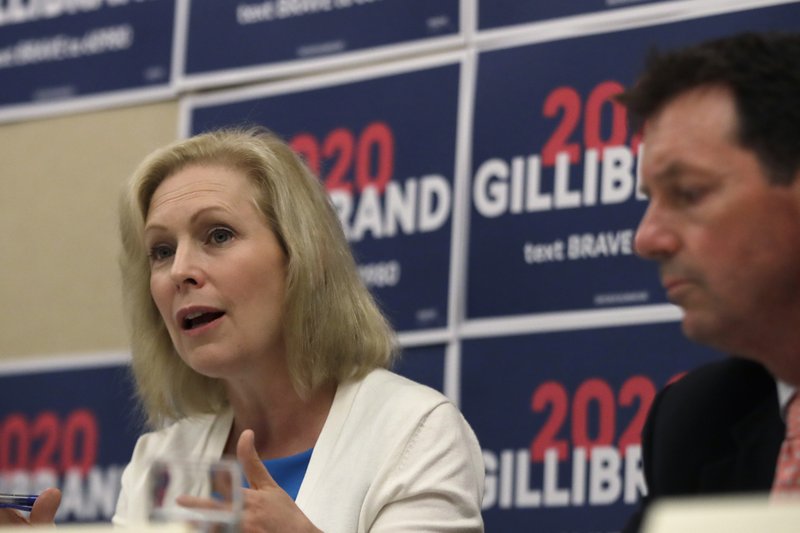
(288, 472)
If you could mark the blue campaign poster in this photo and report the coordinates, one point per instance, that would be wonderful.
(423, 364)
(559, 416)
(58, 52)
(76, 431)
(554, 179)
(385, 148)
(493, 14)
(261, 35)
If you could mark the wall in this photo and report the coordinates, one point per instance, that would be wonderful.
(61, 178)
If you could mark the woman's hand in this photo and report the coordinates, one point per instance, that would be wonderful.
(43, 511)
(267, 507)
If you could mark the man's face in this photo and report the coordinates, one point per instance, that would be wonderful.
(726, 240)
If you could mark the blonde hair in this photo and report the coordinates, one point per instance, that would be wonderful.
(333, 329)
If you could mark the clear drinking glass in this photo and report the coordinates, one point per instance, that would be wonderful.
(220, 482)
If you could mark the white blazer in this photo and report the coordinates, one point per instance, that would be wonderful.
(393, 455)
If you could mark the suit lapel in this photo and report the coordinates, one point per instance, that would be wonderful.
(749, 463)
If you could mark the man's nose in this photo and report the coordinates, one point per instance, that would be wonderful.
(656, 238)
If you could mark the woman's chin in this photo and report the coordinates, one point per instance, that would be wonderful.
(211, 366)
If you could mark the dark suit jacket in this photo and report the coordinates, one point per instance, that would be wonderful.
(717, 430)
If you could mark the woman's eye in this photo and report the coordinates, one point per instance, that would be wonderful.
(159, 252)
(220, 236)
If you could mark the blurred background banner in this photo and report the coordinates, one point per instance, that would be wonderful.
(493, 14)
(265, 38)
(424, 364)
(64, 55)
(559, 417)
(385, 146)
(554, 181)
(76, 432)
(555, 200)
(482, 172)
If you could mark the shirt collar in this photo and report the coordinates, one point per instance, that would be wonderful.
(785, 394)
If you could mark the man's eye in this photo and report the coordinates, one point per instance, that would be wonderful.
(159, 252)
(690, 195)
(220, 236)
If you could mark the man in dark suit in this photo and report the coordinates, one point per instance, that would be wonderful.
(721, 168)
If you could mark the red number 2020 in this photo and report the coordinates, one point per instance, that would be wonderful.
(567, 102)
(596, 392)
(48, 442)
(366, 160)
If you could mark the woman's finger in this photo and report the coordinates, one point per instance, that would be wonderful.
(196, 502)
(11, 517)
(254, 470)
(45, 507)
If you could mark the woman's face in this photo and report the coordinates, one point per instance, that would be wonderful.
(217, 271)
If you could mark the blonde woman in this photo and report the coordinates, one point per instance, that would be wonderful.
(254, 338)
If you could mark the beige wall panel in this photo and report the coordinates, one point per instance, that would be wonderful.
(61, 177)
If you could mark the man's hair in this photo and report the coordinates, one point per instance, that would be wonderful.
(333, 329)
(762, 71)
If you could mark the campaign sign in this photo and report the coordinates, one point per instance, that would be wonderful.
(499, 13)
(267, 33)
(72, 428)
(56, 52)
(554, 193)
(559, 417)
(385, 149)
(423, 364)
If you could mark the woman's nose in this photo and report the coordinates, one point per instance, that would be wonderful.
(186, 268)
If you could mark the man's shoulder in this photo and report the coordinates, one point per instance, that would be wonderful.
(728, 376)
(700, 427)
(717, 392)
